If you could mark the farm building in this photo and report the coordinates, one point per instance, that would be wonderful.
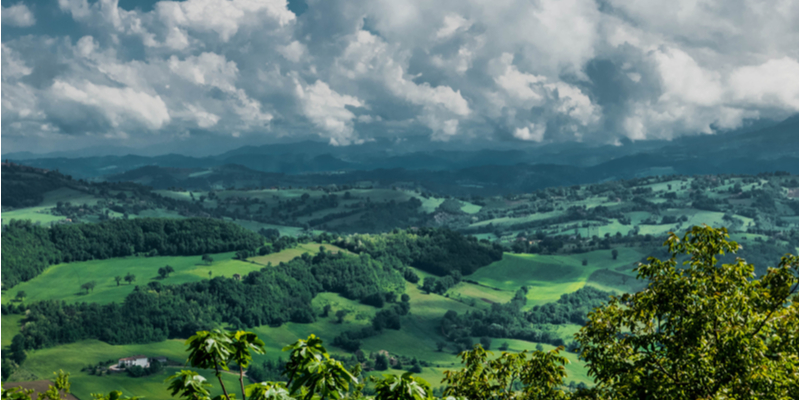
(139, 360)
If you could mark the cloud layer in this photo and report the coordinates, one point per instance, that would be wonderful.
(350, 71)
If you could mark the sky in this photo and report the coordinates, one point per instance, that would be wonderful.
(219, 74)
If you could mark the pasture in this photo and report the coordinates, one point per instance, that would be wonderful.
(72, 357)
(63, 281)
(547, 276)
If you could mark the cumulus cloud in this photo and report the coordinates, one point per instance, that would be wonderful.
(18, 15)
(118, 105)
(536, 71)
(327, 109)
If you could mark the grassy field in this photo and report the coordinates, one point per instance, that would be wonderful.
(63, 281)
(10, 327)
(548, 276)
(34, 214)
(73, 357)
(289, 254)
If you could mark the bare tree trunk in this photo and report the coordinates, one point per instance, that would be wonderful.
(219, 376)
(241, 381)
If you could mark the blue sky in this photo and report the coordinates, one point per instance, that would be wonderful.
(78, 73)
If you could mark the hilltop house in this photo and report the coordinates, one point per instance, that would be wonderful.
(139, 360)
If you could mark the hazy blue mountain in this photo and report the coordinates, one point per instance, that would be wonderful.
(750, 151)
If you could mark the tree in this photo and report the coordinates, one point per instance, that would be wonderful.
(162, 272)
(210, 349)
(88, 286)
(313, 372)
(701, 331)
(168, 269)
(209, 274)
(486, 342)
(340, 316)
(542, 375)
(381, 362)
(242, 344)
(207, 259)
(20, 295)
(585, 262)
(130, 278)
(117, 279)
(404, 387)
(190, 385)
(440, 345)
(614, 254)
(18, 349)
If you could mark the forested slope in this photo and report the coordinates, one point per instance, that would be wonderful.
(28, 249)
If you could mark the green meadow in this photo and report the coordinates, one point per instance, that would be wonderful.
(547, 276)
(72, 357)
(63, 281)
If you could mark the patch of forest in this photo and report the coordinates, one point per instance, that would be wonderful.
(29, 249)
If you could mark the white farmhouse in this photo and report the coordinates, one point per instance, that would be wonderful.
(134, 360)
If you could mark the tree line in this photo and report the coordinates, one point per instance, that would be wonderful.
(29, 249)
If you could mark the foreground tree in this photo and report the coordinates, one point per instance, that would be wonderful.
(403, 387)
(243, 344)
(541, 375)
(212, 350)
(704, 331)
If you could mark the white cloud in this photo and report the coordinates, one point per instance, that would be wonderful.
(13, 65)
(18, 15)
(119, 105)
(532, 132)
(460, 68)
(293, 51)
(771, 84)
(327, 110)
(207, 69)
(452, 23)
(685, 81)
(223, 17)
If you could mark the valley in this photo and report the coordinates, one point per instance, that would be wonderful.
(553, 242)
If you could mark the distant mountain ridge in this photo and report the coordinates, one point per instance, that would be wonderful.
(769, 149)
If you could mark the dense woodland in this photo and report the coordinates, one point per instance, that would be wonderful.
(155, 312)
(28, 249)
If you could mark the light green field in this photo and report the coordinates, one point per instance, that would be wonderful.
(72, 357)
(10, 328)
(548, 276)
(290, 254)
(35, 214)
(63, 281)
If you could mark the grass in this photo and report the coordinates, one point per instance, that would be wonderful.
(290, 254)
(63, 281)
(418, 338)
(73, 357)
(10, 328)
(34, 214)
(548, 276)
